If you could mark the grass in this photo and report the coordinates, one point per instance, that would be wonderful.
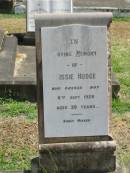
(12, 16)
(120, 50)
(13, 23)
(12, 158)
(121, 19)
(12, 108)
(120, 106)
(16, 155)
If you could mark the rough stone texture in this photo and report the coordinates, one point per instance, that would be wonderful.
(82, 157)
(25, 65)
(1, 39)
(21, 68)
(18, 72)
(7, 57)
(35, 167)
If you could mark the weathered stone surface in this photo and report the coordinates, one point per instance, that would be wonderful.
(18, 73)
(21, 67)
(25, 65)
(7, 57)
(35, 167)
(19, 9)
(1, 39)
(79, 157)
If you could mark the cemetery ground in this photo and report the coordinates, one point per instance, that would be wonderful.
(18, 120)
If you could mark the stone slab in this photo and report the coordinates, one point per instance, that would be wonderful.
(103, 3)
(21, 70)
(64, 19)
(94, 157)
(78, 58)
(25, 65)
(7, 57)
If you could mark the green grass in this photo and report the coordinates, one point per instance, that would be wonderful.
(120, 106)
(12, 108)
(121, 67)
(12, 16)
(121, 19)
(12, 158)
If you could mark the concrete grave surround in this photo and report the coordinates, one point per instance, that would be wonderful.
(74, 151)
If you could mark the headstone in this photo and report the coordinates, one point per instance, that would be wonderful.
(74, 92)
(74, 87)
(19, 9)
(45, 6)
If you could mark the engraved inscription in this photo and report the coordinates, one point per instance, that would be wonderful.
(75, 82)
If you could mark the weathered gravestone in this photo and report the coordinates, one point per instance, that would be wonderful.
(45, 6)
(74, 92)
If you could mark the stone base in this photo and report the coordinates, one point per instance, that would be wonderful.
(90, 157)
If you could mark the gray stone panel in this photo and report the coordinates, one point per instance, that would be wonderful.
(7, 58)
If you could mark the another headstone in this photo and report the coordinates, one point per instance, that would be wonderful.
(19, 9)
(45, 6)
(74, 92)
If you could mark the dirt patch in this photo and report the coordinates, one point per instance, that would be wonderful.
(121, 133)
(13, 25)
(18, 132)
(120, 31)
